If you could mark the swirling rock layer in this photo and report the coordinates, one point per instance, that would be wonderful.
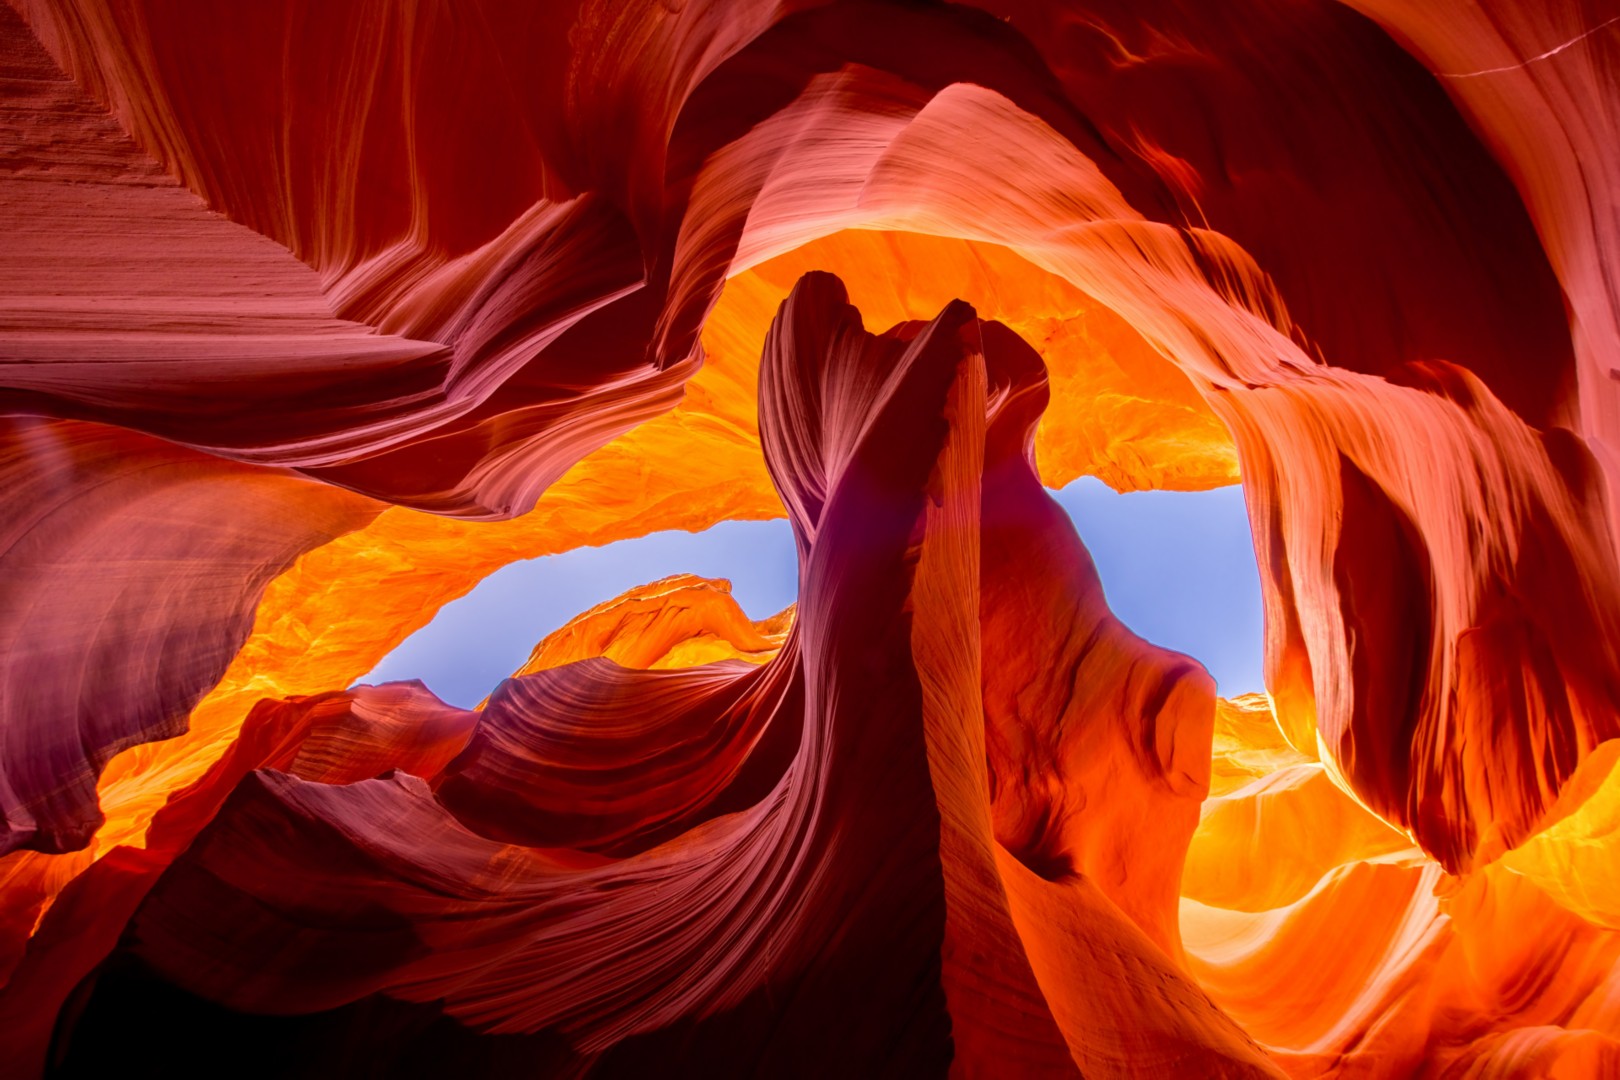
(315, 314)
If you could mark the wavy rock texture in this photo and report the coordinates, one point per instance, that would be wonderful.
(680, 622)
(653, 788)
(313, 315)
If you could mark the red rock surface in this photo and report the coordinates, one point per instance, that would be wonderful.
(315, 314)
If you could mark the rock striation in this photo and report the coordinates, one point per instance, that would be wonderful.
(315, 314)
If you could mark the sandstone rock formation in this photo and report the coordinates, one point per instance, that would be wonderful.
(315, 314)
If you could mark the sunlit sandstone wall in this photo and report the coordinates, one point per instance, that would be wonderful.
(309, 306)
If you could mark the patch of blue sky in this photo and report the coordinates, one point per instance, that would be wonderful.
(1177, 567)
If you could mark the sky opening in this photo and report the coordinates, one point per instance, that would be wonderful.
(1177, 567)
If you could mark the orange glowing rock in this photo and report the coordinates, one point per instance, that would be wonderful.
(597, 764)
(681, 621)
(1267, 844)
(1119, 411)
(345, 605)
(315, 315)
(1248, 743)
(1576, 858)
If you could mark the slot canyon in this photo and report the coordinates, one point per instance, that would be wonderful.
(318, 313)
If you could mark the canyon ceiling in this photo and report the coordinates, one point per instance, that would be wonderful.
(314, 314)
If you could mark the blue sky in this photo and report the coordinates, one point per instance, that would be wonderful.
(1178, 568)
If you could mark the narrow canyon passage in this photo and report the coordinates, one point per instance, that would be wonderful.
(810, 537)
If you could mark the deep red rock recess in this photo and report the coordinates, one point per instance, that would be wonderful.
(316, 313)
